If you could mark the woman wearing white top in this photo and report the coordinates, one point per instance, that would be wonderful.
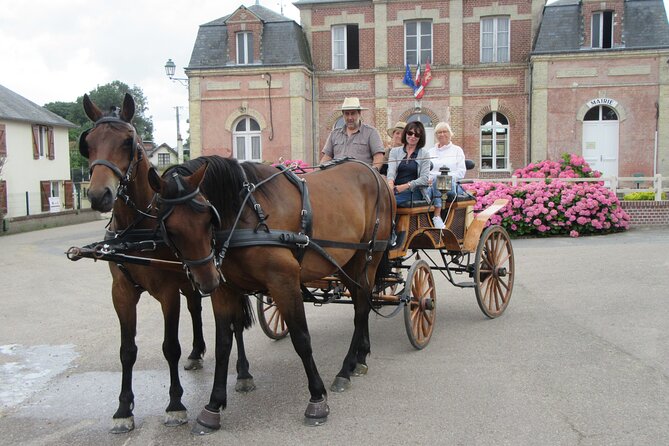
(445, 153)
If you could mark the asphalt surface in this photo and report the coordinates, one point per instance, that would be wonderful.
(580, 357)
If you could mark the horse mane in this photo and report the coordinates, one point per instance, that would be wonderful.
(222, 184)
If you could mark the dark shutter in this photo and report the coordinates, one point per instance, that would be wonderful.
(607, 29)
(36, 141)
(352, 47)
(3, 197)
(69, 194)
(45, 190)
(3, 141)
(51, 150)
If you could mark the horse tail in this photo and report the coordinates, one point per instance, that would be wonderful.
(248, 318)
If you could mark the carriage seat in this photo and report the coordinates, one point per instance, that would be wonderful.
(414, 204)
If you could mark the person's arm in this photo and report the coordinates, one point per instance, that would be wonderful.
(328, 150)
(377, 161)
(423, 172)
(325, 158)
(376, 148)
(460, 168)
(392, 167)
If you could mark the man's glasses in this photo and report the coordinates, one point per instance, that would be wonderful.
(411, 133)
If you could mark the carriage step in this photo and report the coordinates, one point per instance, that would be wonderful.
(465, 284)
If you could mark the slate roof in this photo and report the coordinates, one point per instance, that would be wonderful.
(14, 107)
(644, 27)
(283, 42)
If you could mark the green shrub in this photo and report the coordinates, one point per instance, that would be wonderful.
(648, 195)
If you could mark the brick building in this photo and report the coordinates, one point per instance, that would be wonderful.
(600, 85)
(489, 60)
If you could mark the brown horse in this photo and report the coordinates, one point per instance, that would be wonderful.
(278, 239)
(119, 172)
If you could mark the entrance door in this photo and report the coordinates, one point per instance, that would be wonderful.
(600, 140)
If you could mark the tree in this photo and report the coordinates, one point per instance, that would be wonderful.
(105, 96)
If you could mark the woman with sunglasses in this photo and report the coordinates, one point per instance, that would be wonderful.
(409, 165)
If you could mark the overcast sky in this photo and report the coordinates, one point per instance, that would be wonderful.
(59, 50)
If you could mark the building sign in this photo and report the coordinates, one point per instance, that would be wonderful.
(602, 101)
(54, 204)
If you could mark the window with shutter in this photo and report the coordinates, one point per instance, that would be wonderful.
(69, 194)
(51, 149)
(35, 141)
(3, 197)
(3, 141)
(45, 192)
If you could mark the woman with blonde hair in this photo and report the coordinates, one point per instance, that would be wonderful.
(445, 154)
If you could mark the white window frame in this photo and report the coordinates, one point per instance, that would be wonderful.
(55, 189)
(245, 54)
(495, 39)
(248, 137)
(342, 56)
(598, 16)
(494, 127)
(161, 159)
(419, 33)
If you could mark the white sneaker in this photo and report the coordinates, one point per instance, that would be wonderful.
(438, 222)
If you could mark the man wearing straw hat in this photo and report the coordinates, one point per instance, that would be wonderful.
(355, 139)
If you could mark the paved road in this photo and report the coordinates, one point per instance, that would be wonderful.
(581, 357)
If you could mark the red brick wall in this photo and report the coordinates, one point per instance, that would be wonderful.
(647, 213)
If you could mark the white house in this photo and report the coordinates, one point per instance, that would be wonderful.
(162, 156)
(35, 177)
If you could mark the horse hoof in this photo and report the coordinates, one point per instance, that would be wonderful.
(199, 429)
(207, 422)
(194, 364)
(122, 425)
(245, 385)
(360, 370)
(316, 413)
(176, 418)
(340, 384)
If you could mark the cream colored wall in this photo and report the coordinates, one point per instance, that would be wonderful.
(23, 173)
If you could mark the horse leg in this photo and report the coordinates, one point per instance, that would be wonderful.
(290, 305)
(195, 359)
(209, 420)
(175, 414)
(355, 361)
(125, 300)
(245, 381)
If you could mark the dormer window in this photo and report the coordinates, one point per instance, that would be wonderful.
(244, 48)
(602, 29)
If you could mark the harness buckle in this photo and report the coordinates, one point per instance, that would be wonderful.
(152, 247)
(305, 243)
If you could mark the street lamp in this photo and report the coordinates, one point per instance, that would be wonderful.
(170, 67)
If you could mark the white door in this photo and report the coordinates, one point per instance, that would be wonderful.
(600, 140)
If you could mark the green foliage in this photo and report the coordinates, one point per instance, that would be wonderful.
(643, 195)
(105, 97)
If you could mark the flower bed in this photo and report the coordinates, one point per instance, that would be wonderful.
(553, 207)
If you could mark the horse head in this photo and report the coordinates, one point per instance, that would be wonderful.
(187, 222)
(111, 143)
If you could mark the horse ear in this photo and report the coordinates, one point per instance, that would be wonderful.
(196, 179)
(92, 110)
(128, 109)
(155, 181)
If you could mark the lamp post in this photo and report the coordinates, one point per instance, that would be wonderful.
(170, 67)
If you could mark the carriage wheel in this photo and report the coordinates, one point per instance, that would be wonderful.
(270, 319)
(494, 271)
(420, 311)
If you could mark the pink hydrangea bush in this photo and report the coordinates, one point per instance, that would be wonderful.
(297, 165)
(569, 166)
(553, 207)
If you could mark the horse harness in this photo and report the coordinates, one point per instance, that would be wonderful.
(247, 237)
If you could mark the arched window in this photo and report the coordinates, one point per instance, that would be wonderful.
(601, 113)
(494, 142)
(429, 127)
(246, 140)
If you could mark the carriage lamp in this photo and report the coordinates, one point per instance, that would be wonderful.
(444, 180)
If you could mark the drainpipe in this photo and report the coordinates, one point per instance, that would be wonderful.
(529, 117)
(314, 155)
(657, 120)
